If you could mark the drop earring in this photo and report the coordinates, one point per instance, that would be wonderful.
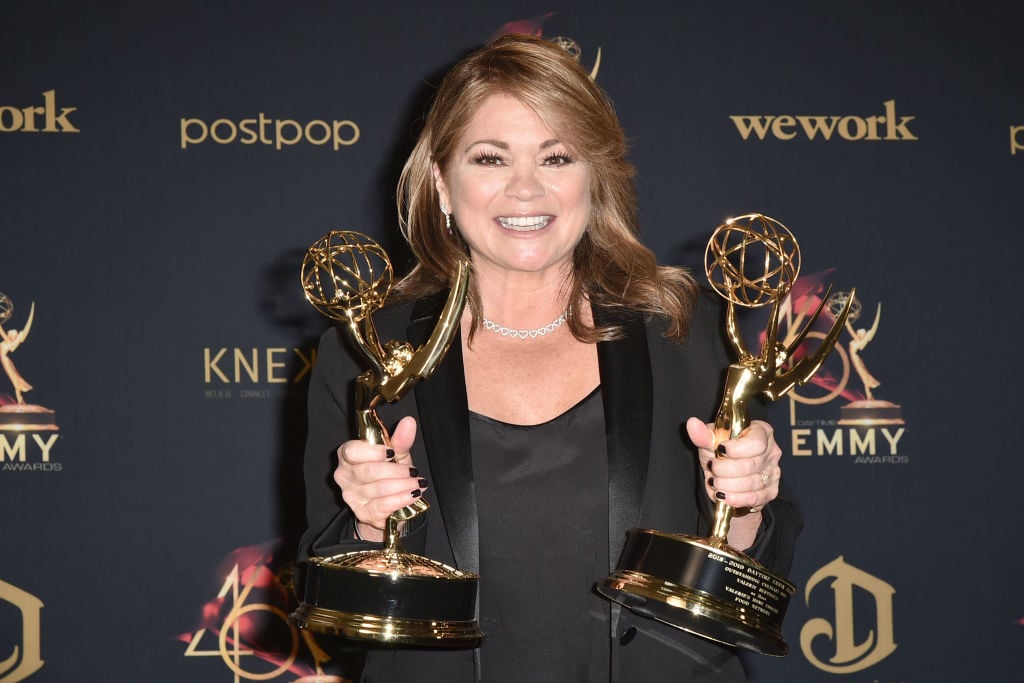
(447, 219)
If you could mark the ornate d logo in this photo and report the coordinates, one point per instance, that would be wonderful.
(25, 658)
(848, 655)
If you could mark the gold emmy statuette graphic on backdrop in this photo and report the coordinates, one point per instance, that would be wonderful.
(387, 595)
(19, 416)
(868, 411)
(701, 585)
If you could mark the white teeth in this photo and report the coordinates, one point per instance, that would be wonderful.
(524, 223)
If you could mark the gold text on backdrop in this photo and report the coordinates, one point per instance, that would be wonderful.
(887, 126)
(278, 133)
(29, 119)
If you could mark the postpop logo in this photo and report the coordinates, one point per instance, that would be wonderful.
(276, 133)
(887, 126)
(1016, 139)
(36, 119)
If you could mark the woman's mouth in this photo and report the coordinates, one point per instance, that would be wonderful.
(524, 223)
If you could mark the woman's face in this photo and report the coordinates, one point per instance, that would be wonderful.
(520, 197)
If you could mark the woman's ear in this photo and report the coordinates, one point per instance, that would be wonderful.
(442, 188)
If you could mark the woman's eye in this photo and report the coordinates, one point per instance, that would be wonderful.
(488, 160)
(557, 160)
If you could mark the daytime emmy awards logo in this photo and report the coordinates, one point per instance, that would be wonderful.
(246, 625)
(869, 429)
(25, 428)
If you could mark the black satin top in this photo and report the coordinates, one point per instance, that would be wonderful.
(542, 493)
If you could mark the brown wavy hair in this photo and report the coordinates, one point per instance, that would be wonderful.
(611, 267)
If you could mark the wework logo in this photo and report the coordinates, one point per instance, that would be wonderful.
(35, 119)
(887, 126)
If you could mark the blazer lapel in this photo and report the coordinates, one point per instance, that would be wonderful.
(443, 408)
(627, 392)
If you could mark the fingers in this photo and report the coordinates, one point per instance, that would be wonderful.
(402, 439)
(747, 473)
(702, 435)
(376, 480)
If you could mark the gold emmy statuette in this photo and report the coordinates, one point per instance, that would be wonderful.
(388, 595)
(701, 585)
(870, 411)
(19, 415)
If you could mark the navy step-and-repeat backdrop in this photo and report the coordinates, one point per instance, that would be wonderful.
(163, 166)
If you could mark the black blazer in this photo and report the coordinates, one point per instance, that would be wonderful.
(649, 387)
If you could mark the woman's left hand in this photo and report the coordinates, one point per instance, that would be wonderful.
(748, 475)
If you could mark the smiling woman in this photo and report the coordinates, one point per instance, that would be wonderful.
(521, 204)
(554, 426)
(533, 82)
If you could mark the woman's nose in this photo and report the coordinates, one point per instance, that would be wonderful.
(524, 183)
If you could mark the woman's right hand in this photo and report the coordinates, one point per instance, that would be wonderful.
(377, 480)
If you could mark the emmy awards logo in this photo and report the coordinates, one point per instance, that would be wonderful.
(17, 415)
(868, 411)
(387, 595)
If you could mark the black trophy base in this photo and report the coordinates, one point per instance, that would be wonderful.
(433, 608)
(716, 593)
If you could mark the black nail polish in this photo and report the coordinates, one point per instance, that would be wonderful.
(417, 493)
(390, 453)
(719, 495)
(413, 472)
(423, 483)
(711, 482)
(709, 466)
